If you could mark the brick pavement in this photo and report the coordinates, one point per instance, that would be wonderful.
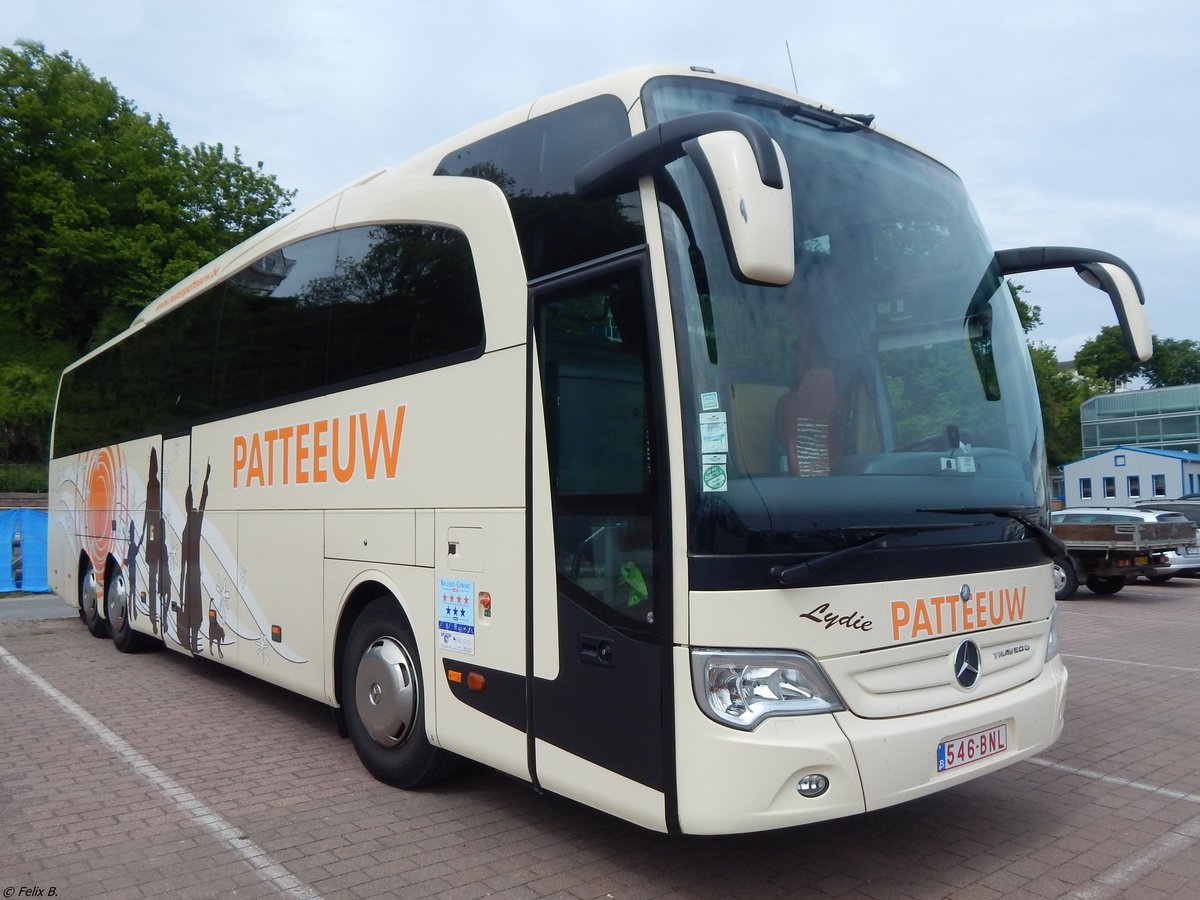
(1113, 810)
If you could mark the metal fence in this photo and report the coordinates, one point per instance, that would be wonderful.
(23, 566)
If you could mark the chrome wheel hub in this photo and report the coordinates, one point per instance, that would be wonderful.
(385, 692)
(88, 595)
(1060, 577)
(118, 602)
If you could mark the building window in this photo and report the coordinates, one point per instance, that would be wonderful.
(1110, 487)
(1134, 484)
(1119, 459)
(1085, 489)
(1160, 485)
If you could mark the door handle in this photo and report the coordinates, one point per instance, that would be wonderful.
(595, 651)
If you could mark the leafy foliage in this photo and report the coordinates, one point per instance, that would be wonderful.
(1060, 391)
(101, 210)
(1105, 358)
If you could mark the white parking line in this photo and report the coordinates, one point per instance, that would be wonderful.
(227, 834)
(1113, 881)
(1129, 662)
(1113, 779)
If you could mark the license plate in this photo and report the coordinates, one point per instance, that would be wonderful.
(1141, 560)
(1191, 551)
(972, 748)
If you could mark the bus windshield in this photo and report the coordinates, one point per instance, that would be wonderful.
(887, 387)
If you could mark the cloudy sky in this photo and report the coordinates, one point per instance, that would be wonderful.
(1071, 121)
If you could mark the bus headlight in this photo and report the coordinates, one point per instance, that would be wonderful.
(741, 688)
(1052, 637)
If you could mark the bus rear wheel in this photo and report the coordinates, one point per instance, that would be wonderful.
(117, 605)
(89, 603)
(383, 699)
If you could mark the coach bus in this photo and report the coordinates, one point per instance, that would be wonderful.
(670, 444)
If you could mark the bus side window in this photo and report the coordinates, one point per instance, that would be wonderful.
(402, 295)
(591, 342)
(274, 325)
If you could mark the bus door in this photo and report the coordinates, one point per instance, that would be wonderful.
(189, 607)
(601, 634)
(176, 489)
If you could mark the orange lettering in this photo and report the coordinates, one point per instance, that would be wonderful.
(900, 618)
(285, 434)
(340, 472)
(309, 450)
(320, 450)
(372, 449)
(302, 452)
(239, 456)
(921, 620)
(1016, 603)
(270, 436)
(255, 469)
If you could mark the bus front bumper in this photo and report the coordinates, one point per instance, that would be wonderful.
(732, 781)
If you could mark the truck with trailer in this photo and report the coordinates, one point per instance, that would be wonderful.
(1108, 547)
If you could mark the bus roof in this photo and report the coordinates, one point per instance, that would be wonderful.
(321, 216)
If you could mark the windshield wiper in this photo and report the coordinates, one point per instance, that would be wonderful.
(1051, 545)
(797, 111)
(797, 574)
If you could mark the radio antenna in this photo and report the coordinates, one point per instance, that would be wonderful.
(792, 66)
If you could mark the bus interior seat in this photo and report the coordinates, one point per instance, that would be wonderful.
(752, 426)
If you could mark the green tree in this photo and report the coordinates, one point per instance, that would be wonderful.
(101, 210)
(1060, 391)
(1106, 358)
(1174, 362)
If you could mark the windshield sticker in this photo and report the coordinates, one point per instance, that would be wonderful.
(709, 401)
(714, 474)
(714, 433)
(714, 477)
(456, 615)
(958, 464)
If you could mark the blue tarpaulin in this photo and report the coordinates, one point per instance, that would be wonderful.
(29, 557)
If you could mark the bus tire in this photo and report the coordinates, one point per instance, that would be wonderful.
(89, 602)
(116, 606)
(1066, 582)
(384, 700)
(1109, 584)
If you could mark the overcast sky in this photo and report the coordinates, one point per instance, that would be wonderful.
(1071, 121)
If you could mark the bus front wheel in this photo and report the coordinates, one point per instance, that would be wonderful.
(383, 699)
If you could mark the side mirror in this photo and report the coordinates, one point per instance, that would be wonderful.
(743, 170)
(1102, 271)
(755, 218)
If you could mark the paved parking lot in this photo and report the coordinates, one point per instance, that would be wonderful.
(154, 774)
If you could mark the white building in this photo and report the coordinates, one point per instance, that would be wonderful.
(1124, 475)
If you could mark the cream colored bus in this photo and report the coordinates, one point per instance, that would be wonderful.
(670, 443)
